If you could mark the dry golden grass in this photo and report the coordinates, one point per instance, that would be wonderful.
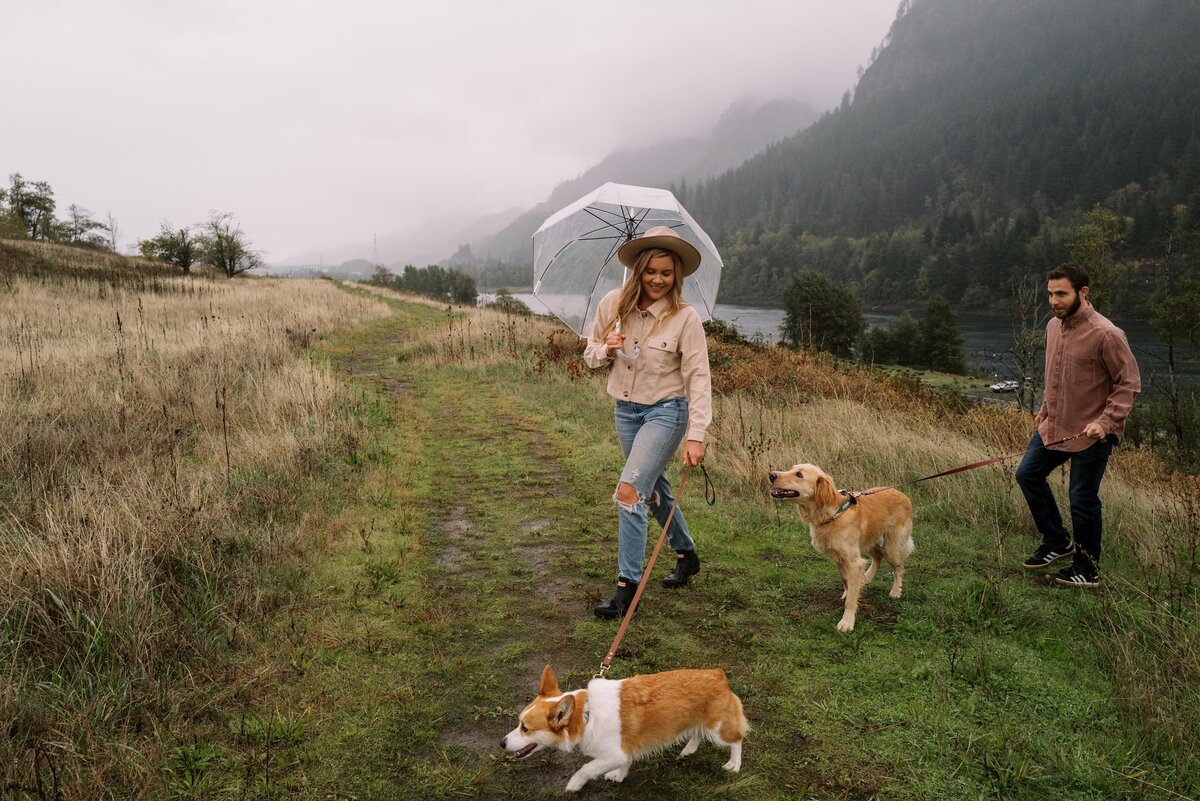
(774, 408)
(156, 429)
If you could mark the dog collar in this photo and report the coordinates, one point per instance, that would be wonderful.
(846, 504)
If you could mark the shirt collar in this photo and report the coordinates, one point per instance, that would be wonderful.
(1081, 316)
(659, 307)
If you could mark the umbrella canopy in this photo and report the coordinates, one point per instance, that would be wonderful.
(575, 251)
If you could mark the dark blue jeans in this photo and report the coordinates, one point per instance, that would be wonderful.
(1087, 470)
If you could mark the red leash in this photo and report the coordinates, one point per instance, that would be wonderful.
(966, 467)
(612, 651)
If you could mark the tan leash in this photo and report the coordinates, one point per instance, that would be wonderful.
(964, 468)
(612, 651)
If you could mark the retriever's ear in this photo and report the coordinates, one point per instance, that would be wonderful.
(824, 493)
(549, 683)
(562, 713)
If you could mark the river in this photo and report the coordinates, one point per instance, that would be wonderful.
(986, 338)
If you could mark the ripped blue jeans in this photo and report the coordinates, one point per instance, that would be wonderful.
(649, 435)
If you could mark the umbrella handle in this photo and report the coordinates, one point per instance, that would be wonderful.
(637, 351)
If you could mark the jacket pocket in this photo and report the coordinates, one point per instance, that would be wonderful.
(661, 355)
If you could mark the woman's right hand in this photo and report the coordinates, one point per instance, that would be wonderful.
(615, 341)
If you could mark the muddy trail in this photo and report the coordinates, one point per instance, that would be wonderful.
(489, 535)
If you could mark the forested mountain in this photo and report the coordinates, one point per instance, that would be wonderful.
(741, 132)
(979, 136)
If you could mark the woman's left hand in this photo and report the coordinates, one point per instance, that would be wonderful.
(693, 453)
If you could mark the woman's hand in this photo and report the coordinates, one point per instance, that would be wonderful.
(615, 341)
(693, 453)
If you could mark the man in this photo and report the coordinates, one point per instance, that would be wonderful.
(1091, 381)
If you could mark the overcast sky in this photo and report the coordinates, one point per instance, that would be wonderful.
(323, 123)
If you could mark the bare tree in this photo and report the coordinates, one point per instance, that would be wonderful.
(80, 228)
(224, 246)
(1028, 330)
(113, 231)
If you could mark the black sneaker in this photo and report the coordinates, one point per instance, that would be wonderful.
(1074, 576)
(1045, 556)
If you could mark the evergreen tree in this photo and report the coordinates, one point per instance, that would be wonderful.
(821, 315)
(941, 341)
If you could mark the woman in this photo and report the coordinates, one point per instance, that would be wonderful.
(653, 344)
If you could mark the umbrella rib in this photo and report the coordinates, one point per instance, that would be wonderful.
(626, 235)
(606, 223)
(583, 237)
(620, 222)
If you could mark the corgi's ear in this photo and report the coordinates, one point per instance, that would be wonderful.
(549, 683)
(824, 493)
(562, 713)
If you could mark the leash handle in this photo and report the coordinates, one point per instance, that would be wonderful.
(612, 651)
(710, 489)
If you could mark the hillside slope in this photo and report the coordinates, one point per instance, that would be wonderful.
(742, 131)
(981, 113)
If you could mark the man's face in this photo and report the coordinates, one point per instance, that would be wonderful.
(1064, 300)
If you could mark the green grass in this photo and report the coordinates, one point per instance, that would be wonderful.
(479, 531)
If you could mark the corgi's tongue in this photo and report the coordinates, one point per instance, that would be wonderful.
(526, 751)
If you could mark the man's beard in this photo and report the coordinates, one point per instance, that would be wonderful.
(1074, 307)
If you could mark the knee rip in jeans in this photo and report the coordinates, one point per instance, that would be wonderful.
(627, 490)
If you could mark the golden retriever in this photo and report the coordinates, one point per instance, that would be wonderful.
(879, 524)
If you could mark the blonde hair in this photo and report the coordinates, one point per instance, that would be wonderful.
(631, 292)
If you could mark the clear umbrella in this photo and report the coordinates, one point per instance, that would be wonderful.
(575, 251)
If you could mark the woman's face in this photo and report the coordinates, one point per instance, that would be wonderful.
(658, 278)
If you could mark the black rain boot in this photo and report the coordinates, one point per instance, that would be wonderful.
(687, 564)
(619, 601)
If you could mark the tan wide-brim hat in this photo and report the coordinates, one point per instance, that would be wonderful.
(665, 238)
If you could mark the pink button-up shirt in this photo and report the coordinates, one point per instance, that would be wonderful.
(1091, 377)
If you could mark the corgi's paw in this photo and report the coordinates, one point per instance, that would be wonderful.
(845, 624)
(690, 748)
(733, 766)
(617, 775)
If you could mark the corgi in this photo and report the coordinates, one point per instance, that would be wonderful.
(617, 721)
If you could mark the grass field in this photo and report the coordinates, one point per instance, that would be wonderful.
(452, 537)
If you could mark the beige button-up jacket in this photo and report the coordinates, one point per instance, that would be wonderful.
(674, 360)
(1091, 376)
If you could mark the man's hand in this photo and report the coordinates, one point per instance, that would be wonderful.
(1094, 431)
(693, 453)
